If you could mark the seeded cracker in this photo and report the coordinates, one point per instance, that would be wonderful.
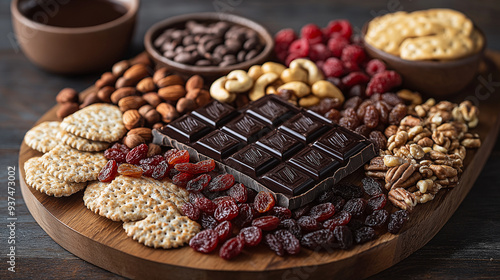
(43, 136)
(127, 198)
(71, 165)
(42, 181)
(164, 228)
(80, 143)
(98, 122)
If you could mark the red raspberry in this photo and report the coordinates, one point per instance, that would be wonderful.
(341, 27)
(320, 64)
(353, 53)
(291, 57)
(280, 54)
(383, 82)
(374, 66)
(285, 37)
(336, 45)
(333, 67)
(355, 78)
(312, 33)
(299, 47)
(350, 66)
(319, 52)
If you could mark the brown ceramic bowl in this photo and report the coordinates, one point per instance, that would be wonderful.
(73, 50)
(429, 77)
(209, 72)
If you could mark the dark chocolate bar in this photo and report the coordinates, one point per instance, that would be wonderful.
(271, 145)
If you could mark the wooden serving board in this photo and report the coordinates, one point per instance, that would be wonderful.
(105, 244)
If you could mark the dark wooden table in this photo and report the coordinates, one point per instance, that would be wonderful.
(467, 247)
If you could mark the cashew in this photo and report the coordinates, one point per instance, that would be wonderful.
(259, 87)
(219, 93)
(313, 72)
(300, 89)
(271, 90)
(323, 89)
(294, 74)
(255, 72)
(238, 81)
(273, 67)
(309, 101)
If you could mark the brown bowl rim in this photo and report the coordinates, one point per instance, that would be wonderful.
(132, 10)
(425, 63)
(210, 70)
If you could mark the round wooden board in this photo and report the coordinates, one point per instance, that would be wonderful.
(105, 244)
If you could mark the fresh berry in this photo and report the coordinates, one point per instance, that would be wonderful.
(312, 33)
(251, 235)
(383, 82)
(231, 248)
(350, 66)
(299, 47)
(353, 53)
(341, 27)
(284, 38)
(137, 153)
(333, 67)
(355, 78)
(204, 241)
(291, 57)
(108, 172)
(319, 52)
(336, 45)
(375, 66)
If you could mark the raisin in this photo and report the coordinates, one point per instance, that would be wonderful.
(377, 202)
(130, 170)
(290, 243)
(196, 168)
(378, 139)
(397, 221)
(322, 239)
(207, 221)
(172, 172)
(154, 160)
(292, 226)
(363, 130)
(223, 198)
(147, 170)
(181, 156)
(115, 154)
(371, 186)
(343, 235)
(383, 109)
(226, 211)
(377, 219)
(299, 212)
(333, 115)
(274, 244)
(137, 153)
(397, 114)
(325, 196)
(347, 191)
(364, 234)
(264, 201)
(342, 218)
(251, 194)
(391, 98)
(349, 123)
(251, 235)
(238, 192)
(246, 215)
(199, 183)
(371, 117)
(356, 206)
(224, 230)
(204, 241)
(108, 172)
(231, 248)
(338, 202)
(322, 212)
(190, 211)
(266, 223)
(182, 179)
(281, 212)
(354, 224)
(308, 223)
(160, 171)
(170, 153)
(360, 113)
(121, 147)
(193, 197)
(205, 205)
(221, 183)
(353, 102)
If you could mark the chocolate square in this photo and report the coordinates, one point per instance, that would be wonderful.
(246, 128)
(287, 180)
(215, 113)
(340, 143)
(280, 144)
(319, 117)
(271, 110)
(315, 163)
(218, 145)
(186, 129)
(252, 160)
(304, 128)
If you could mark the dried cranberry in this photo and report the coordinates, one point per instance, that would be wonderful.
(207, 221)
(322, 211)
(137, 153)
(274, 244)
(251, 235)
(204, 241)
(199, 183)
(169, 153)
(364, 234)
(231, 248)
(354, 224)
(223, 198)
(290, 243)
(371, 186)
(343, 235)
(221, 183)
(356, 206)
(266, 223)
(108, 172)
(376, 202)
(193, 197)
(308, 223)
(196, 168)
(147, 170)
(224, 230)
(342, 218)
(115, 154)
(264, 201)
(377, 219)
(281, 212)
(325, 196)
(226, 211)
(246, 215)
(322, 239)
(238, 192)
(182, 179)
(397, 220)
(190, 211)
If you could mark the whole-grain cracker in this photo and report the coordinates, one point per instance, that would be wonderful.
(81, 144)
(43, 137)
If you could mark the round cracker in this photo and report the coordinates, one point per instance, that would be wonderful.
(80, 143)
(43, 137)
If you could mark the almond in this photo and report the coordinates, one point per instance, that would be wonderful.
(90, 99)
(158, 125)
(144, 132)
(172, 93)
(120, 67)
(152, 98)
(67, 109)
(170, 81)
(144, 109)
(142, 58)
(185, 105)
(193, 93)
(152, 117)
(107, 79)
(131, 102)
(132, 119)
(160, 74)
(194, 82)
(133, 140)
(136, 72)
(67, 95)
(203, 98)
(124, 82)
(167, 112)
(146, 85)
(104, 93)
(121, 93)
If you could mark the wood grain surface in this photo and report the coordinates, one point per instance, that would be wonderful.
(104, 243)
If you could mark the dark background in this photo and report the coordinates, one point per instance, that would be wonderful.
(467, 247)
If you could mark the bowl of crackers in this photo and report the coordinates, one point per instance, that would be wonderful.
(436, 51)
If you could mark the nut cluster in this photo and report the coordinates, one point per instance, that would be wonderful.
(425, 153)
(302, 84)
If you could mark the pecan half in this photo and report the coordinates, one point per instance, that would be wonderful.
(403, 199)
